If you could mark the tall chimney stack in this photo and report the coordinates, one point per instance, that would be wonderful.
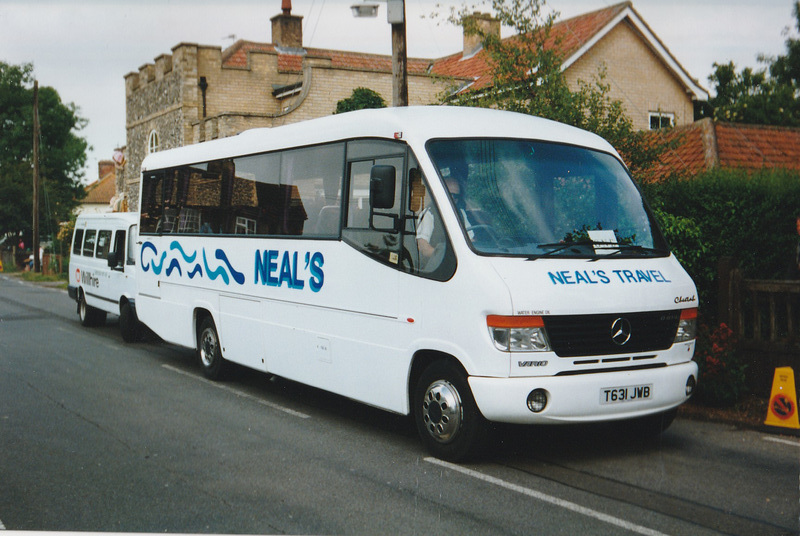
(483, 22)
(287, 29)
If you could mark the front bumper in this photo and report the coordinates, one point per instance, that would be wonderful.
(577, 398)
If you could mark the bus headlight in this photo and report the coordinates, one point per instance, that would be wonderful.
(687, 326)
(518, 333)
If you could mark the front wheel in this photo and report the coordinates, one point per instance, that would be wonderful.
(653, 425)
(209, 351)
(448, 421)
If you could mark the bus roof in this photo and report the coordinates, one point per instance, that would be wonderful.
(414, 124)
(127, 217)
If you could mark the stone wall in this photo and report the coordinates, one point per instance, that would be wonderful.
(165, 97)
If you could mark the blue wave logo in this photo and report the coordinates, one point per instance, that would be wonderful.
(178, 260)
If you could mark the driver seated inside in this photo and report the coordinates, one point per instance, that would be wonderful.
(423, 214)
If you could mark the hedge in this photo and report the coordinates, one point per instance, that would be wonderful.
(749, 216)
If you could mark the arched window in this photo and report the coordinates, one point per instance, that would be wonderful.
(152, 142)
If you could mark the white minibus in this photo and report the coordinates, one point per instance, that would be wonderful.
(466, 266)
(102, 269)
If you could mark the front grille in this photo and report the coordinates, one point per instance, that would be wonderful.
(584, 335)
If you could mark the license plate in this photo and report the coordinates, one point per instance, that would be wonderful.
(631, 393)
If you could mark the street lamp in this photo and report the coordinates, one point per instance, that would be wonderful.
(365, 10)
(396, 16)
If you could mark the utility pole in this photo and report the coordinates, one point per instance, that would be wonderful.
(396, 11)
(37, 266)
(396, 16)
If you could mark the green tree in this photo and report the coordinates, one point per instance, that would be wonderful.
(360, 99)
(62, 153)
(527, 78)
(766, 96)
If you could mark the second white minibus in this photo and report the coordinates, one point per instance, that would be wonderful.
(102, 268)
(465, 266)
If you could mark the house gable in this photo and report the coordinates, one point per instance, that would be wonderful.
(642, 73)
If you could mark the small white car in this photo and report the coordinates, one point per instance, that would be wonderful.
(102, 270)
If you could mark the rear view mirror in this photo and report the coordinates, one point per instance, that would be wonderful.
(381, 187)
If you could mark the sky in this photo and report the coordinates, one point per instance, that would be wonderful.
(84, 48)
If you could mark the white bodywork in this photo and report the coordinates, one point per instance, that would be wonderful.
(103, 287)
(359, 332)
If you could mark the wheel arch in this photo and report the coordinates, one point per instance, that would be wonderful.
(422, 359)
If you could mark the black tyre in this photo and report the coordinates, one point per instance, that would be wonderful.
(209, 351)
(448, 421)
(128, 323)
(652, 425)
(89, 316)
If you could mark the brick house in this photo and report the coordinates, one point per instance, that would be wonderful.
(100, 193)
(199, 92)
(652, 85)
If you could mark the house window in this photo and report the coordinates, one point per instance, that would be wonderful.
(152, 142)
(659, 120)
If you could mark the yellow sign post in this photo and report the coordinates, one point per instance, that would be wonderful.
(782, 409)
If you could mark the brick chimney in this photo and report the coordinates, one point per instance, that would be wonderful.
(287, 29)
(482, 22)
(104, 167)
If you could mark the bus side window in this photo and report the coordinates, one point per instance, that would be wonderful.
(371, 226)
(77, 242)
(425, 239)
(88, 243)
(131, 251)
(118, 250)
(103, 244)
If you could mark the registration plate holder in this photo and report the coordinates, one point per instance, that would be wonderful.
(628, 393)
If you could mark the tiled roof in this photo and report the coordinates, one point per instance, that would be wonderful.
(707, 144)
(570, 35)
(756, 147)
(102, 190)
(573, 37)
(290, 60)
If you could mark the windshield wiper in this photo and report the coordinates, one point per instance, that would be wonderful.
(559, 247)
(618, 249)
(627, 248)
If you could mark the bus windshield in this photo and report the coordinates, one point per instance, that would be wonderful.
(537, 199)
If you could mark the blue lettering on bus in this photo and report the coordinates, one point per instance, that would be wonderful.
(274, 268)
(600, 277)
(288, 271)
(317, 276)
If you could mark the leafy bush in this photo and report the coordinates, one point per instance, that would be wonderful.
(729, 213)
(360, 99)
(722, 379)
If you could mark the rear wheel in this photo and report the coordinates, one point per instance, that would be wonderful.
(128, 322)
(447, 418)
(89, 316)
(209, 351)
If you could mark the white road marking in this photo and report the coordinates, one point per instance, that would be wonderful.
(561, 503)
(240, 393)
(783, 441)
